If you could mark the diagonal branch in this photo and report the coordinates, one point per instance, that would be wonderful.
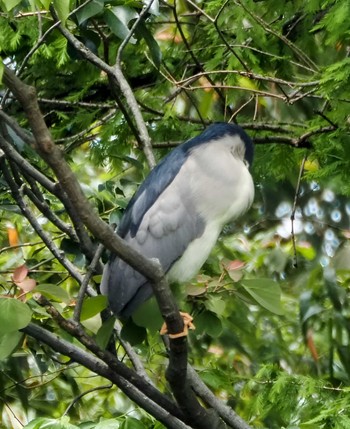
(98, 366)
(54, 157)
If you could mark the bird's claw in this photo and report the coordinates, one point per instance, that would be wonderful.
(187, 325)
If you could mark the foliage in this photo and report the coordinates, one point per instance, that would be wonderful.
(271, 310)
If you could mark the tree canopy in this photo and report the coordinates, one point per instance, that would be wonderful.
(94, 93)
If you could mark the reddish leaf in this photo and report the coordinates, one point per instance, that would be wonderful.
(234, 269)
(27, 285)
(20, 274)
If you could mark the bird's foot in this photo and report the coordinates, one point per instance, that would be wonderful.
(187, 325)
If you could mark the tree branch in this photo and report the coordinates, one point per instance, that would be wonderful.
(54, 157)
(76, 330)
(98, 366)
(226, 413)
(117, 77)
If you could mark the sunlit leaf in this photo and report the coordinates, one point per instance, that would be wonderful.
(108, 424)
(14, 315)
(10, 4)
(92, 306)
(131, 423)
(306, 250)
(53, 292)
(46, 423)
(45, 3)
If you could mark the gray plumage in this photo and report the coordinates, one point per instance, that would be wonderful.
(179, 211)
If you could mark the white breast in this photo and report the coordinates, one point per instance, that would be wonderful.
(222, 189)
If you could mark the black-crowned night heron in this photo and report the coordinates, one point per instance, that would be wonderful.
(179, 211)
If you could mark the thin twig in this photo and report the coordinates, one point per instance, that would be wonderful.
(77, 398)
(144, 11)
(292, 216)
(133, 356)
(84, 284)
(249, 75)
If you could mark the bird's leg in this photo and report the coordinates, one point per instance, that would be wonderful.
(187, 318)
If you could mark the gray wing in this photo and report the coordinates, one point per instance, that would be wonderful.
(164, 233)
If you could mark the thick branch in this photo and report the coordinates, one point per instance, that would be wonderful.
(54, 157)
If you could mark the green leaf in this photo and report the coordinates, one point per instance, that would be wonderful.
(1, 71)
(277, 260)
(53, 292)
(154, 9)
(93, 306)
(10, 4)
(108, 424)
(117, 19)
(62, 9)
(207, 322)
(93, 8)
(45, 3)
(214, 378)
(14, 315)
(148, 316)
(132, 333)
(265, 292)
(9, 343)
(104, 333)
(152, 44)
(216, 304)
(45, 423)
(131, 423)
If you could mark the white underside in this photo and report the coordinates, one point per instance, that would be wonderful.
(223, 190)
(195, 255)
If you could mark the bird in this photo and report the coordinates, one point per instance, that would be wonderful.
(179, 211)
